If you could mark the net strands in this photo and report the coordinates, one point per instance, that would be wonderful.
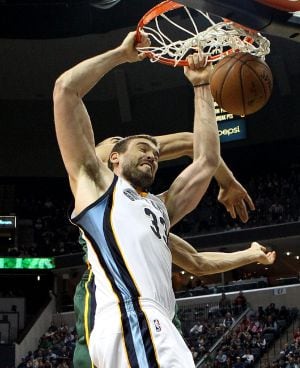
(217, 41)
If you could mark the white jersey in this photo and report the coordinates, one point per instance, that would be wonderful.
(127, 238)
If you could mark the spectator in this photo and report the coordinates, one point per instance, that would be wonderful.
(271, 310)
(228, 320)
(248, 358)
(196, 330)
(220, 359)
(297, 334)
(63, 364)
(284, 313)
(239, 303)
(261, 342)
(245, 324)
(286, 349)
(255, 325)
(238, 363)
(291, 363)
(270, 326)
(52, 327)
(224, 305)
(48, 364)
(261, 314)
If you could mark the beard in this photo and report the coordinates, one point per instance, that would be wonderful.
(136, 177)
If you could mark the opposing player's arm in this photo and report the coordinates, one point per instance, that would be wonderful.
(206, 263)
(171, 146)
(175, 145)
(232, 194)
(190, 186)
(104, 148)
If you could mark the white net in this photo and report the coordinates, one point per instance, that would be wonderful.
(216, 41)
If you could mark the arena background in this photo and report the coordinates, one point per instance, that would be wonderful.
(40, 41)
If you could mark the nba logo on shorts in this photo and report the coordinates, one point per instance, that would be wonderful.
(157, 325)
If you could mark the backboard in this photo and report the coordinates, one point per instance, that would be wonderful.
(268, 19)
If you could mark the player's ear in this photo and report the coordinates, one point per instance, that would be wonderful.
(114, 157)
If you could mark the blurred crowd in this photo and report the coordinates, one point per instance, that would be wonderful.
(276, 197)
(43, 228)
(289, 356)
(242, 340)
(55, 349)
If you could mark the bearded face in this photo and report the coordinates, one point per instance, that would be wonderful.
(138, 163)
(139, 173)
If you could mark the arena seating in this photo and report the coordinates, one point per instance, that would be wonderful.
(44, 230)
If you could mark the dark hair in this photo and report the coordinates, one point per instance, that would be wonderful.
(122, 145)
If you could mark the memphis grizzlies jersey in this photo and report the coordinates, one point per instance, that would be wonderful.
(127, 237)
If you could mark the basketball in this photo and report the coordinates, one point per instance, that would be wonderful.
(241, 83)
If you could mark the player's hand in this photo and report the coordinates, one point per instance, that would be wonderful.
(110, 140)
(129, 45)
(236, 200)
(199, 70)
(103, 149)
(263, 256)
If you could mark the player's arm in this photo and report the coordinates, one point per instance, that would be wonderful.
(104, 148)
(171, 146)
(175, 145)
(72, 122)
(189, 187)
(232, 194)
(73, 126)
(206, 263)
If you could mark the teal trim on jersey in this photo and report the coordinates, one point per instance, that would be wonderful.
(120, 278)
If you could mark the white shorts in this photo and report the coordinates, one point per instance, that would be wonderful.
(140, 340)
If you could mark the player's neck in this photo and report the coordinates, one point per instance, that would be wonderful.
(140, 190)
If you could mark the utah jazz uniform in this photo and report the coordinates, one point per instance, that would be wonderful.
(84, 308)
(126, 234)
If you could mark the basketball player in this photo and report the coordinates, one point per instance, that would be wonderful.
(232, 194)
(126, 228)
(183, 254)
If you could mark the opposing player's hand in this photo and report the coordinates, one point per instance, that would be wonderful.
(103, 149)
(236, 200)
(129, 47)
(263, 256)
(199, 70)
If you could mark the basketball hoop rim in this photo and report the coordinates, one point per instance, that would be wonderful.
(169, 5)
(158, 9)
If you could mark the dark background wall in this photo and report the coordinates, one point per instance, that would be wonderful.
(29, 148)
(134, 98)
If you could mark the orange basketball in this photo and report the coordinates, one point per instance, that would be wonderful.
(241, 83)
